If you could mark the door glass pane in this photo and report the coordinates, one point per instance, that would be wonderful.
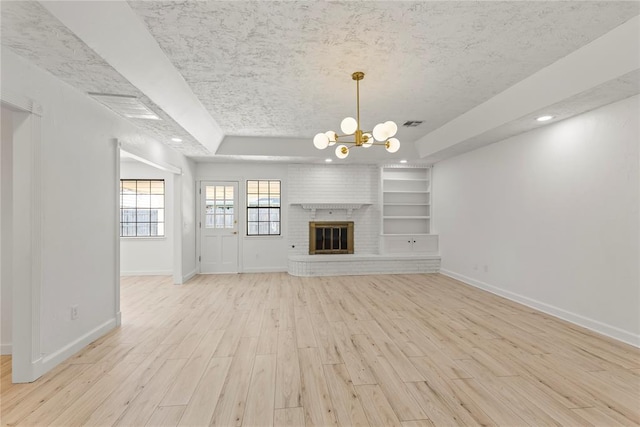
(219, 193)
(219, 206)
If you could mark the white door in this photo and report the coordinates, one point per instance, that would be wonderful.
(219, 227)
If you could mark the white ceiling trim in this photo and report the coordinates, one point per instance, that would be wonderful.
(606, 58)
(114, 31)
(141, 159)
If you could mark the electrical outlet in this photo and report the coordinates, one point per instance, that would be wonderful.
(475, 267)
(74, 312)
(486, 268)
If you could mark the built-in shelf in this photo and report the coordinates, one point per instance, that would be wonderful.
(406, 211)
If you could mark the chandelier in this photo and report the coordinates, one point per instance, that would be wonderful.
(382, 133)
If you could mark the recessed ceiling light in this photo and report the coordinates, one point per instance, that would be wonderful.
(328, 160)
(544, 118)
(176, 139)
(403, 161)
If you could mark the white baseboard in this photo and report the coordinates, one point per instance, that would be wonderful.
(5, 349)
(147, 273)
(265, 270)
(188, 276)
(591, 324)
(48, 362)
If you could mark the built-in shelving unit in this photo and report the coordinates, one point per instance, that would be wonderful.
(406, 210)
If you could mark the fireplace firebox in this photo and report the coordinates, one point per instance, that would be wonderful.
(331, 237)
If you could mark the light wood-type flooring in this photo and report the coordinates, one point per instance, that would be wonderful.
(272, 349)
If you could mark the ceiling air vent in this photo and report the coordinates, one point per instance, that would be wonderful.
(413, 123)
(126, 105)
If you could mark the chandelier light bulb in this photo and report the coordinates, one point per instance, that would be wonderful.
(349, 125)
(321, 141)
(391, 128)
(380, 132)
(369, 139)
(342, 151)
(332, 137)
(392, 145)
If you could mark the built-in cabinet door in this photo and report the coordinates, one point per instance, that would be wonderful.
(425, 243)
(218, 227)
(407, 243)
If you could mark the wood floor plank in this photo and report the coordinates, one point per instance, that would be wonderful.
(166, 416)
(82, 408)
(346, 403)
(119, 401)
(203, 402)
(329, 352)
(186, 382)
(418, 423)
(289, 417)
(391, 384)
(142, 407)
(268, 339)
(354, 360)
(288, 387)
(318, 409)
(304, 331)
(231, 405)
(376, 406)
(251, 349)
(261, 398)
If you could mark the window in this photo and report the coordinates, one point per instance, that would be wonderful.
(141, 208)
(263, 208)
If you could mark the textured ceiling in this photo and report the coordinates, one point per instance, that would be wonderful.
(282, 69)
(31, 32)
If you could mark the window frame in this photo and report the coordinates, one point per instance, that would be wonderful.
(136, 215)
(269, 206)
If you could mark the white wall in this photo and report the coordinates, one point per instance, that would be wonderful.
(79, 243)
(335, 184)
(550, 218)
(5, 230)
(152, 255)
(257, 253)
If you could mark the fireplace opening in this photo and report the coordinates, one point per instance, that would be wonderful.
(331, 237)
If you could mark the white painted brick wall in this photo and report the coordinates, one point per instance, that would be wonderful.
(383, 265)
(334, 184)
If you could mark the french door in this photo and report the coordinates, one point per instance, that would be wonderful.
(218, 227)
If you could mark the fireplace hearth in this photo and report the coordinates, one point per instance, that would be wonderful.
(331, 237)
